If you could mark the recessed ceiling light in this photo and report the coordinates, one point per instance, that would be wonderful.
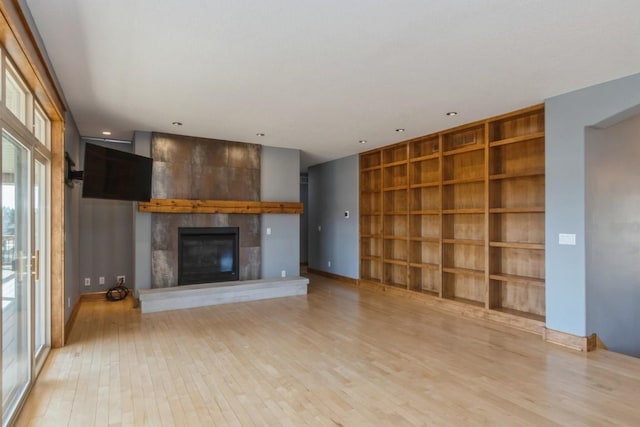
(259, 134)
(176, 123)
(363, 141)
(106, 132)
(400, 130)
(452, 113)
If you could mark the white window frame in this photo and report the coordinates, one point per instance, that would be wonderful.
(43, 135)
(13, 80)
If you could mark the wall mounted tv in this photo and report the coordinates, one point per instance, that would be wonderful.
(114, 174)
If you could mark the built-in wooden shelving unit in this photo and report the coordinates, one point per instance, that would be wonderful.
(459, 215)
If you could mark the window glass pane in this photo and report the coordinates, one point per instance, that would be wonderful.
(40, 212)
(16, 358)
(40, 125)
(16, 97)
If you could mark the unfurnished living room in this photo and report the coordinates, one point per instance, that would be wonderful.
(332, 213)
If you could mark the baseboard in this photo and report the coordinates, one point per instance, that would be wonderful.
(571, 341)
(102, 296)
(458, 308)
(93, 296)
(71, 321)
(600, 344)
(344, 279)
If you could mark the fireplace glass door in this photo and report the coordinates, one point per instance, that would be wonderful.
(208, 254)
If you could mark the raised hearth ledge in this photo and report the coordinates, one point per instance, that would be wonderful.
(191, 296)
(219, 206)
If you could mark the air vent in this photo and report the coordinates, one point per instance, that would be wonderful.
(466, 138)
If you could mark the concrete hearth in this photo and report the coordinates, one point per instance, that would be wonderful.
(191, 296)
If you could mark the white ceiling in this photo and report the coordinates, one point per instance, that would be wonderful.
(321, 75)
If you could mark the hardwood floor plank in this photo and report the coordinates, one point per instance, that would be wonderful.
(337, 356)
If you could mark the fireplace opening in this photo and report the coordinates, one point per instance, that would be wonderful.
(207, 254)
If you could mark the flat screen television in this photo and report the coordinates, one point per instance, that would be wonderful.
(117, 175)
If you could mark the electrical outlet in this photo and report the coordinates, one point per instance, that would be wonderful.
(329, 264)
(346, 214)
(87, 281)
(120, 277)
(69, 302)
(101, 280)
(283, 273)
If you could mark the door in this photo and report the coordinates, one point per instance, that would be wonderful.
(39, 257)
(16, 277)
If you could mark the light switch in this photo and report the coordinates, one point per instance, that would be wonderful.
(319, 228)
(268, 231)
(567, 239)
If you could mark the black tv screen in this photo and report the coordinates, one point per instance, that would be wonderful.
(113, 174)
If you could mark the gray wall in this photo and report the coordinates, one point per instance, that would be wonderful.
(304, 219)
(333, 189)
(613, 235)
(280, 182)
(142, 225)
(566, 118)
(106, 238)
(72, 222)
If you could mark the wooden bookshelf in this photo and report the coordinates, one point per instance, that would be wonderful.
(425, 215)
(516, 213)
(371, 216)
(459, 215)
(395, 211)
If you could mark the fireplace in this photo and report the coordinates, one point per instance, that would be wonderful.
(207, 254)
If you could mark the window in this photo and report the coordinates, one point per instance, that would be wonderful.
(16, 95)
(41, 125)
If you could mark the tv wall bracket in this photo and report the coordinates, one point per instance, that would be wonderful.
(71, 175)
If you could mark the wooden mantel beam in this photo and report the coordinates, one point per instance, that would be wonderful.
(219, 206)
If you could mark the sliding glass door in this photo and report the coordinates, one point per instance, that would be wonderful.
(16, 275)
(25, 284)
(40, 264)
(26, 114)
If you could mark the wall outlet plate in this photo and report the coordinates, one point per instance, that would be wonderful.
(120, 277)
(87, 281)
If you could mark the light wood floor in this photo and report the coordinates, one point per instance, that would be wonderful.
(336, 357)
